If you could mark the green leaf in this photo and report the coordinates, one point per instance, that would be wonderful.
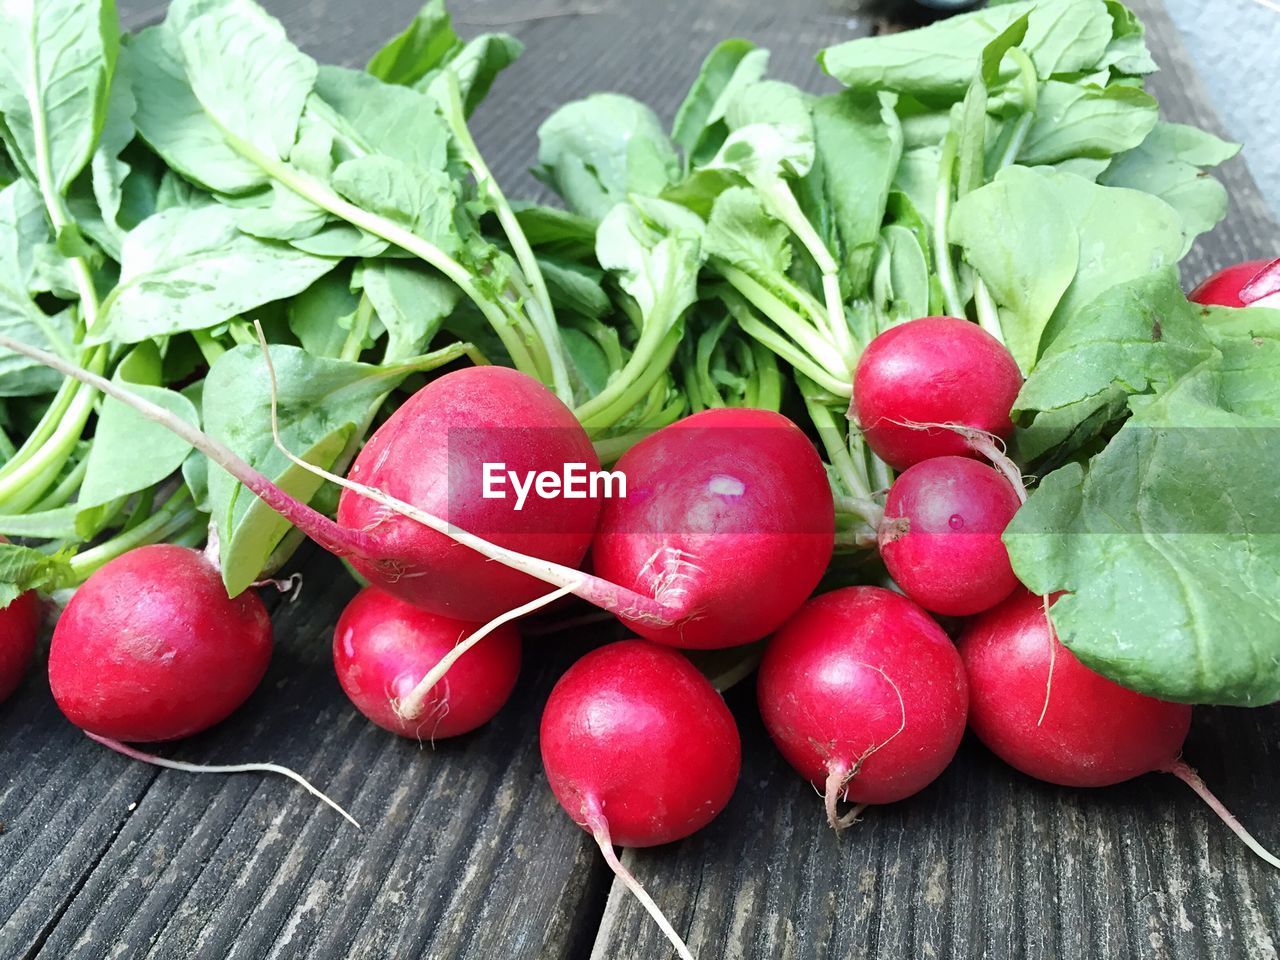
(576, 287)
(1127, 52)
(420, 199)
(1136, 337)
(423, 46)
(1028, 262)
(477, 65)
(859, 145)
(1168, 548)
(130, 452)
(23, 569)
(395, 121)
(1169, 164)
(411, 302)
(1082, 240)
(741, 232)
(1087, 121)
(325, 406)
(191, 269)
(57, 58)
(234, 53)
(1249, 341)
(556, 231)
(657, 267)
(596, 152)
(320, 316)
(699, 127)
(23, 232)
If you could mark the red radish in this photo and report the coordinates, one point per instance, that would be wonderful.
(940, 536)
(927, 372)
(19, 624)
(151, 648)
(383, 647)
(640, 750)
(864, 695)
(431, 453)
(728, 519)
(1254, 283)
(1042, 711)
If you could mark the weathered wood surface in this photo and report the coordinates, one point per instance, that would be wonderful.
(465, 854)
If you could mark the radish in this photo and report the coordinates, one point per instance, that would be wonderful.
(1254, 283)
(640, 750)
(929, 372)
(383, 647)
(865, 696)
(940, 536)
(728, 518)
(1043, 712)
(151, 648)
(431, 453)
(19, 624)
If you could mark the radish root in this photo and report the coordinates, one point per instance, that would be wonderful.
(168, 764)
(986, 444)
(410, 707)
(1183, 772)
(599, 828)
(1053, 659)
(840, 773)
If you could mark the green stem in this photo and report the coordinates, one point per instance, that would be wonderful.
(354, 344)
(782, 346)
(210, 348)
(647, 365)
(542, 314)
(60, 495)
(803, 333)
(324, 197)
(175, 516)
(941, 214)
(27, 483)
(853, 477)
(785, 207)
(985, 306)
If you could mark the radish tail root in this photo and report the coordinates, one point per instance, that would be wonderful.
(411, 706)
(595, 590)
(168, 764)
(984, 444)
(1192, 779)
(337, 540)
(1053, 659)
(599, 828)
(838, 775)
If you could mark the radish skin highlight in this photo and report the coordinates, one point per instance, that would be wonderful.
(639, 750)
(1094, 733)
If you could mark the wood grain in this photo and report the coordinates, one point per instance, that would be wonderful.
(465, 854)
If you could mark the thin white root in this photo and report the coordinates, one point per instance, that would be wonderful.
(1192, 779)
(168, 764)
(838, 775)
(599, 828)
(608, 596)
(1053, 659)
(852, 817)
(980, 442)
(410, 707)
(292, 585)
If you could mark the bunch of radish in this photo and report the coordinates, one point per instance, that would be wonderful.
(861, 689)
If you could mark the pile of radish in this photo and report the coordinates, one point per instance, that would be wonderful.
(743, 342)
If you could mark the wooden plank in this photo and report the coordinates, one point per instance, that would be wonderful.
(987, 862)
